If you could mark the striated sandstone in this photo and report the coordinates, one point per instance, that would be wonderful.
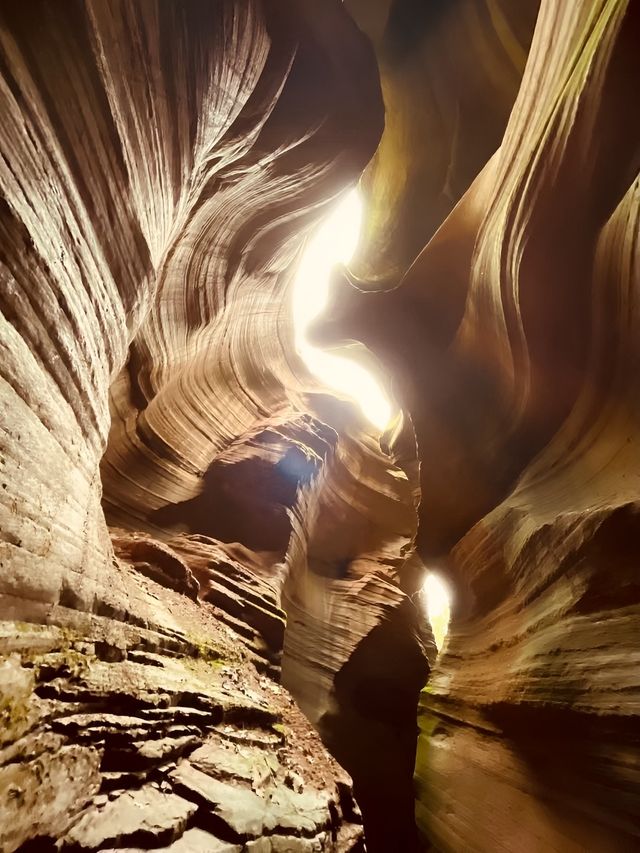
(450, 73)
(512, 340)
(162, 165)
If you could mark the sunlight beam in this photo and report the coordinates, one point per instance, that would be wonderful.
(334, 242)
(438, 599)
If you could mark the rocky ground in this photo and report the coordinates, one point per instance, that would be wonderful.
(124, 736)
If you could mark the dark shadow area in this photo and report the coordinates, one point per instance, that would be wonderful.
(373, 732)
(246, 502)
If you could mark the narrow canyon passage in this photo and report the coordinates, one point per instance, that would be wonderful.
(319, 426)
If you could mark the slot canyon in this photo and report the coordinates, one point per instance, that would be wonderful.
(320, 426)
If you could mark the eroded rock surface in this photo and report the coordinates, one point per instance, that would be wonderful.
(513, 342)
(122, 736)
(162, 165)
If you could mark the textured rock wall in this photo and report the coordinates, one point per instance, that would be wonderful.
(550, 607)
(513, 341)
(158, 163)
(450, 73)
(355, 645)
(152, 729)
(161, 166)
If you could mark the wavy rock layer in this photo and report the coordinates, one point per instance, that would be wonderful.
(161, 166)
(450, 74)
(513, 341)
(157, 181)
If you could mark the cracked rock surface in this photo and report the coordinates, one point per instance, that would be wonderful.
(167, 737)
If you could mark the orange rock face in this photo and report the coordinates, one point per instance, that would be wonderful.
(512, 339)
(161, 167)
(187, 515)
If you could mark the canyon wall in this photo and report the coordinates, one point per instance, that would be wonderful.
(189, 518)
(536, 701)
(162, 165)
(513, 342)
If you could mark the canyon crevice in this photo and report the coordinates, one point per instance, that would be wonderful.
(213, 610)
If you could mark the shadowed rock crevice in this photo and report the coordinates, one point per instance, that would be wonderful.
(371, 727)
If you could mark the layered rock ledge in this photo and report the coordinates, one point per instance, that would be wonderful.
(155, 730)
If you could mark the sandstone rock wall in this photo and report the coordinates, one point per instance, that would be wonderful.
(539, 687)
(514, 344)
(161, 166)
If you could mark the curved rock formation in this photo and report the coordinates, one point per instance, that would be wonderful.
(187, 515)
(490, 368)
(510, 341)
(450, 74)
(161, 167)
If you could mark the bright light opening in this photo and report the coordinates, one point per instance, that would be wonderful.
(334, 242)
(438, 599)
